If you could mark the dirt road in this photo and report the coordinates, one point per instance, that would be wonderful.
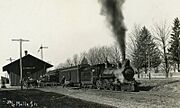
(142, 99)
(164, 93)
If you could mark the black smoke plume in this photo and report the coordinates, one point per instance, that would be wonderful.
(112, 10)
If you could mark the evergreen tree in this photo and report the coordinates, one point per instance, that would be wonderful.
(174, 50)
(146, 54)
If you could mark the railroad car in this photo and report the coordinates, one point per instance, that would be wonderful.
(71, 74)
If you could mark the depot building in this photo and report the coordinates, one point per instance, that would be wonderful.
(31, 67)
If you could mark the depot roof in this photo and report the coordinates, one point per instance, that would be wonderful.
(29, 63)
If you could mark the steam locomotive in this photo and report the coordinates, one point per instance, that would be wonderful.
(101, 76)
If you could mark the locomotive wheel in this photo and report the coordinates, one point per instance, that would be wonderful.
(98, 84)
(106, 84)
(82, 85)
(111, 87)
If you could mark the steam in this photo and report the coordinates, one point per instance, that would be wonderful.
(112, 10)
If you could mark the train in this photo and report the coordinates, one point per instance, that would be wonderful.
(105, 76)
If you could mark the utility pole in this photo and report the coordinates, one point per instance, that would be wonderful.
(149, 67)
(21, 71)
(178, 54)
(41, 49)
(10, 59)
(149, 70)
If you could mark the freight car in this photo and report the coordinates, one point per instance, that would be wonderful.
(71, 74)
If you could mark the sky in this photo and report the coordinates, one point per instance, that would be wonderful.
(68, 27)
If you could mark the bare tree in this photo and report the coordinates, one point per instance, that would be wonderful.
(162, 34)
(61, 65)
(98, 55)
(82, 56)
(104, 53)
(114, 54)
(75, 60)
(133, 38)
(93, 56)
(68, 63)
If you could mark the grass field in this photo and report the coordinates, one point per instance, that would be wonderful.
(156, 93)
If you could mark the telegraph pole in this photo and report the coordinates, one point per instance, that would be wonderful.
(149, 70)
(10, 59)
(21, 73)
(41, 49)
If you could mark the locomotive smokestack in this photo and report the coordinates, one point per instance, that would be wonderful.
(112, 10)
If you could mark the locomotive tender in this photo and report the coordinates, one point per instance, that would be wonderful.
(101, 76)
